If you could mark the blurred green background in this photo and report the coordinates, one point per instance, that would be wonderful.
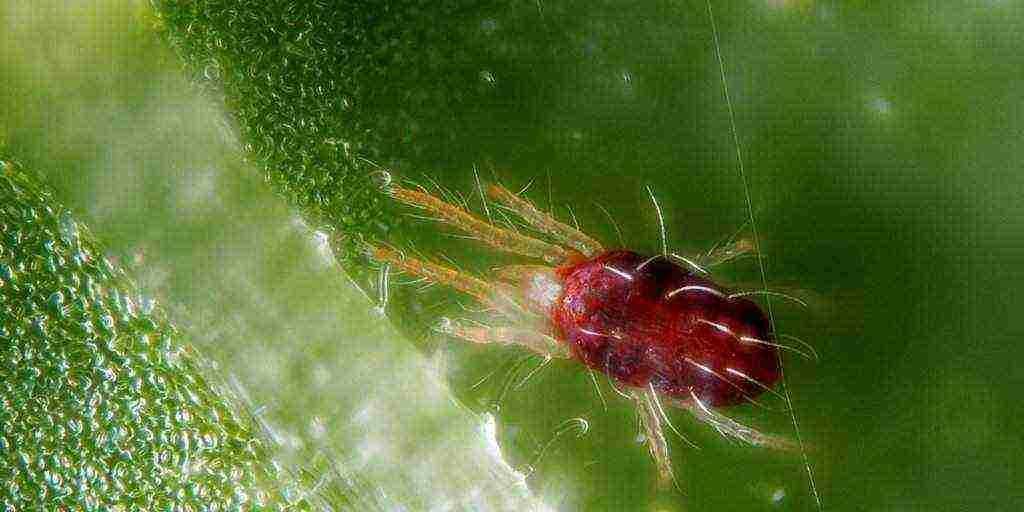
(206, 143)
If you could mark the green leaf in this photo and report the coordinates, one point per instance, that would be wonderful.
(104, 403)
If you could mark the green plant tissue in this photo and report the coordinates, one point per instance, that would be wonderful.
(107, 405)
(331, 408)
(103, 403)
(228, 155)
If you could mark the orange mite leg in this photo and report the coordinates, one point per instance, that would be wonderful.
(517, 273)
(501, 239)
(718, 255)
(727, 252)
(560, 231)
(651, 416)
(730, 428)
(498, 295)
(483, 334)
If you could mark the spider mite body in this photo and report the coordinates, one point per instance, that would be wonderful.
(649, 324)
(648, 321)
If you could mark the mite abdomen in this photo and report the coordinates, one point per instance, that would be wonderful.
(647, 321)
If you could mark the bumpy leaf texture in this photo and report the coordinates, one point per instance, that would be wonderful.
(102, 404)
(318, 91)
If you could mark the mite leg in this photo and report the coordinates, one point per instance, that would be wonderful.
(502, 239)
(732, 247)
(483, 334)
(651, 422)
(560, 231)
(727, 252)
(498, 295)
(719, 254)
(517, 273)
(730, 428)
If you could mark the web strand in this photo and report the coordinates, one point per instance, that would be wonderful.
(757, 248)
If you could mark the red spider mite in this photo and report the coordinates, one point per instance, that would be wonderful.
(661, 330)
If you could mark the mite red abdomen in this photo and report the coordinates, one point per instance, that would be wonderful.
(647, 321)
